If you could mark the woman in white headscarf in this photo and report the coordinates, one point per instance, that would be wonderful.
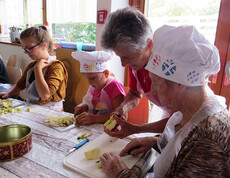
(196, 139)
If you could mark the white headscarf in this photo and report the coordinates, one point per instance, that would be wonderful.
(96, 61)
(182, 55)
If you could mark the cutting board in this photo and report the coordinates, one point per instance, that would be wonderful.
(79, 163)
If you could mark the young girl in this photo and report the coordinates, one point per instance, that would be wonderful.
(45, 78)
(105, 92)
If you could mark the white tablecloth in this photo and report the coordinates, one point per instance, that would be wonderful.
(50, 144)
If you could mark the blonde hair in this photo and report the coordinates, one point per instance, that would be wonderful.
(39, 34)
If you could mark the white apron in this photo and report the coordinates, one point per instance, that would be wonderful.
(32, 95)
(170, 142)
(104, 99)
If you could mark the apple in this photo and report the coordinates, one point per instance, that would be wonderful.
(99, 165)
(93, 153)
(111, 123)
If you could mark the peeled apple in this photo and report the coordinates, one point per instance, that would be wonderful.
(99, 165)
(93, 153)
(111, 123)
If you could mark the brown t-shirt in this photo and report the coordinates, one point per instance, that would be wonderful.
(56, 77)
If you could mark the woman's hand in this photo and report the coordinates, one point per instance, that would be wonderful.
(140, 145)
(119, 112)
(124, 128)
(112, 164)
(85, 119)
(80, 109)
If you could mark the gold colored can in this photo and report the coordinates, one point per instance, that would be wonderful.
(15, 141)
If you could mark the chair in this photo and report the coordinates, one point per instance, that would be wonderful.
(139, 114)
(14, 73)
(77, 85)
(12, 61)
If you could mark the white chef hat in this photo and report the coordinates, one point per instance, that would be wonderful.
(182, 55)
(96, 61)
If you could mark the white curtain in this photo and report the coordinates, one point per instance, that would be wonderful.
(64, 11)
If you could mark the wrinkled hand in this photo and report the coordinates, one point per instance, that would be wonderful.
(126, 128)
(80, 109)
(119, 112)
(84, 119)
(41, 64)
(112, 164)
(4, 95)
(140, 145)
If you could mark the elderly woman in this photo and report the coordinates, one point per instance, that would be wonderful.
(128, 33)
(196, 139)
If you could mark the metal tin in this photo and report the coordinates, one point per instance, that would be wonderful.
(15, 141)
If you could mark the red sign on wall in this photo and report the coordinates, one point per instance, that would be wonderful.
(101, 16)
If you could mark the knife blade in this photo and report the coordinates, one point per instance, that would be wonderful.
(77, 146)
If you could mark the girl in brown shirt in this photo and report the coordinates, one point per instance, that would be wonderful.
(45, 78)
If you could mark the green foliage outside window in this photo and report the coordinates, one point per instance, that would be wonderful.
(167, 8)
(81, 32)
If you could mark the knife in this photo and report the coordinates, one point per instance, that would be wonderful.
(77, 146)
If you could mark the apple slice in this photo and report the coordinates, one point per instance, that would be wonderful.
(99, 165)
(111, 123)
(93, 153)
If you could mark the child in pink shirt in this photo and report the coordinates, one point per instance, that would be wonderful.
(105, 92)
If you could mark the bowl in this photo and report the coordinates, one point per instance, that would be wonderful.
(15, 141)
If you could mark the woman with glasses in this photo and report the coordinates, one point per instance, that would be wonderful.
(45, 78)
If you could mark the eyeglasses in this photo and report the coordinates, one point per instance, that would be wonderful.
(29, 50)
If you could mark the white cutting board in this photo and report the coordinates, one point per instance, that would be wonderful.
(79, 163)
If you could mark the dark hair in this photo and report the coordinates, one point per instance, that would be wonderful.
(39, 34)
(126, 27)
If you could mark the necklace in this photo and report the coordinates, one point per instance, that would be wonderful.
(145, 77)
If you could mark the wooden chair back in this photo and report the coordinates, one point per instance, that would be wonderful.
(77, 85)
(14, 73)
(12, 61)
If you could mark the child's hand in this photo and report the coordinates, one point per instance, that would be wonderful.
(80, 109)
(41, 64)
(84, 119)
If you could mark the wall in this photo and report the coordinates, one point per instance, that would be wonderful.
(7, 50)
(110, 6)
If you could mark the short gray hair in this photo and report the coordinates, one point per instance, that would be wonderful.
(126, 27)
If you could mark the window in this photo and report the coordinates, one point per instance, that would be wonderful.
(203, 14)
(73, 20)
(68, 20)
(11, 14)
(35, 13)
(20, 13)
